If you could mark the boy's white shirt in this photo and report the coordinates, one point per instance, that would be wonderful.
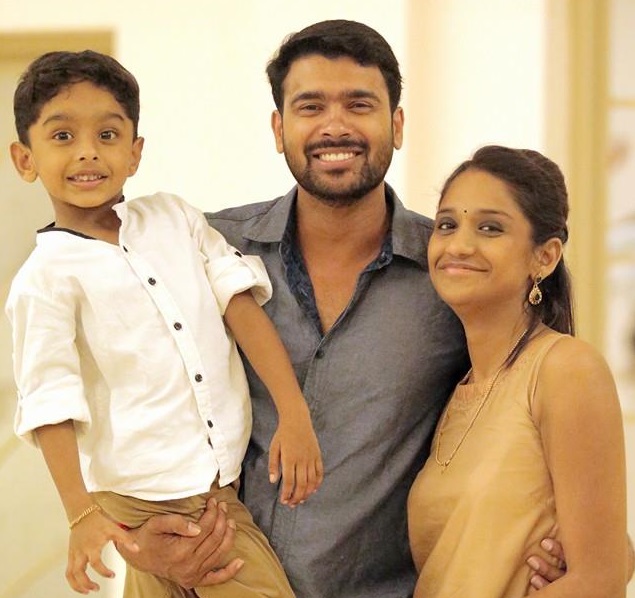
(129, 342)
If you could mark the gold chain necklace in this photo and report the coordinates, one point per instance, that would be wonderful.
(486, 395)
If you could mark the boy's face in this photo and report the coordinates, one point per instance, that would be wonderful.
(81, 147)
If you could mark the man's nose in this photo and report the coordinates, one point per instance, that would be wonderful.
(336, 123)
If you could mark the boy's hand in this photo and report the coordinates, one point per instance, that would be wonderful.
(87, 539)
(295, 447)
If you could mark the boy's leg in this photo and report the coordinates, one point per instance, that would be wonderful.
(262, 575)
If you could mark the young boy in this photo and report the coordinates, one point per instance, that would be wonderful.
(127, 377)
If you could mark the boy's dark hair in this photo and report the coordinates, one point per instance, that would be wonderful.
(47, 75)
(333, 39)
(539, 188)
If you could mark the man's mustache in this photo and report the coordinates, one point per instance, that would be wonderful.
(333, 144)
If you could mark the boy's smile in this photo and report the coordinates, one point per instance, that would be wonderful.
(82, 147)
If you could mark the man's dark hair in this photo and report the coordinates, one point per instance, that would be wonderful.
(334, 39)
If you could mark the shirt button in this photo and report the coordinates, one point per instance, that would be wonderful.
(198, 378)
(238, 253)
(209, 423)
(125, 249)
(177, 325)
(319, 353)
(152, 281)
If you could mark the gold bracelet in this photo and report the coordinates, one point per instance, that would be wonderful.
(84, 513)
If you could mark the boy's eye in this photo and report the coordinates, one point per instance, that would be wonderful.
(108, 135)
(62, 136)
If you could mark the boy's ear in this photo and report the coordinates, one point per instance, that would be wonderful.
(135, 159)
(22, 158)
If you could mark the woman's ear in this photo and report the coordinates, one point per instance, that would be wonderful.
(548, 255)
(22, 158)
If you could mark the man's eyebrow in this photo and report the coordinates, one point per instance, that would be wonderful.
(308, 95)
(349, 94)
(360, 94)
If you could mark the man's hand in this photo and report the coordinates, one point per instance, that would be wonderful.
(186, 553)
(546, 572)
(631, 559)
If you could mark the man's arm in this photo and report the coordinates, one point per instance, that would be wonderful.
(189, 554)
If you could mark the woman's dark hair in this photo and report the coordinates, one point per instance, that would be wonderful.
(538, 186)
(333, 39)
(47, 75)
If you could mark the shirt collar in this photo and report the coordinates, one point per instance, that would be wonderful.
(408, 238)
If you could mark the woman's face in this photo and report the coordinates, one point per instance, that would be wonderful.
(481, 252)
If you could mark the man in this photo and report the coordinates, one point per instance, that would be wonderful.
(375, 350)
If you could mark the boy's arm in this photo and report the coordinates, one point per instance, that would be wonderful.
(59, 447)
(294, 445)
(90, 530)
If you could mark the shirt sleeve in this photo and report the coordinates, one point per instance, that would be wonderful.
(228, 270)
(46, 363)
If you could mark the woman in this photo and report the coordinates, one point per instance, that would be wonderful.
(531, 443)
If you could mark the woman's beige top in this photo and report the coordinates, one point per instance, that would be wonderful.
(473, 524)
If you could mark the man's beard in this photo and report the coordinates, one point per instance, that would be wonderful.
(325, 187)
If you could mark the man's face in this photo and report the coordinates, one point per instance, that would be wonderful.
(337, 131)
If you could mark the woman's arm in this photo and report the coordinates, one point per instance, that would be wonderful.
(579, 417)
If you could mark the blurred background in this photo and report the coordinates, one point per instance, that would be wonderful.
(554, 75)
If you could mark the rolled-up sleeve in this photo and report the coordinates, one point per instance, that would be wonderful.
(46, 363)
(228, 270)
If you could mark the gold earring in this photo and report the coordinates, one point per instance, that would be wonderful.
(535, 295)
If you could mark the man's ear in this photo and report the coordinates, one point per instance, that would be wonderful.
(22, 158)
(397, 127)
(137, 149)
(548, 256)
(276, 127)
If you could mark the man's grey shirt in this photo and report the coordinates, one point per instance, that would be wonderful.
(375, 384)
